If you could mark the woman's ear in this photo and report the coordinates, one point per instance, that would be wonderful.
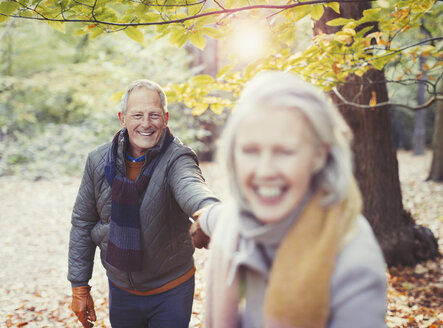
(320, 159)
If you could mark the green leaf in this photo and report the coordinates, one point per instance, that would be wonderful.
(372, 14)
(59, 26)
(26, 13)
(301, 12)
(141, 9)
(206, 20)
(135, 34)
(194, 9)
(80, 32)
(212, 32)
(151, 17)
(363, 31)
(197, 39)
(379, 63)
(339, 21)
(96, 32)
(317, 11)
(9, 7)
(427, 50)
(3, 18)
(176, 34)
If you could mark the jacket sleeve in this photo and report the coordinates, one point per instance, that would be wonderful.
(188, 185)
(359, 287)
(84, 217)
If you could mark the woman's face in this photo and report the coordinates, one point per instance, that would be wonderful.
(275, 156)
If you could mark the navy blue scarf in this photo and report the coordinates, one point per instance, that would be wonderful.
(124, 244)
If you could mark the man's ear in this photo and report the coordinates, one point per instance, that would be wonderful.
(121, 117)
(166, 118)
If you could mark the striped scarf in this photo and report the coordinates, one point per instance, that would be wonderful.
(124, 244)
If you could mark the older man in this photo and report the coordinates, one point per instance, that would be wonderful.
(134, 201)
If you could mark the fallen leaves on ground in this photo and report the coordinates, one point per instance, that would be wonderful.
(34, 234)
(416, 294)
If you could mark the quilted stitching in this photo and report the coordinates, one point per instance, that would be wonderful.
(176, 190)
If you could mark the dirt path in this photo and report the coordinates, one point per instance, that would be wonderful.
(34, 234)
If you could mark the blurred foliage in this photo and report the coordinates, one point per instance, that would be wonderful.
(327, 61)
(61, 80)
(56, 90)
(408, 71)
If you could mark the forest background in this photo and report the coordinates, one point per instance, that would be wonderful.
(60, 83)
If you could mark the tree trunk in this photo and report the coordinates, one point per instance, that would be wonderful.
(376, 167)
(436, 173)
(419, 136)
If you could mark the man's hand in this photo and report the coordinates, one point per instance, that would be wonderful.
(199, 238)
(83, 306)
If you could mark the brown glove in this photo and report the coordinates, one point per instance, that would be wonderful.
(83, 306)
(199, 238)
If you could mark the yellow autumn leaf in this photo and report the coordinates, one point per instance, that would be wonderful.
(217, 108)
(59, 26)
(199, 109)
(117, 96)
(202, 80)
(427, 50)
(343, 38)
(135, 34)
(96, 32)
(151, 17)
(214, 33)
(335, 6)
(194, 9)
(317, 12)
(339, 21)
(177, 35)
(224, 70)
(373, 100)
(197, 39)
(9, 7)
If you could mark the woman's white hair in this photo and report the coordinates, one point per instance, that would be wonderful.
(277, 89)
(148, 85)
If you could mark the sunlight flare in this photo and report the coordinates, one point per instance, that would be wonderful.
(249, 40)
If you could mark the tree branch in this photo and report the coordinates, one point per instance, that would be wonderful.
(387, 103)
(406, 47)
(181, 20)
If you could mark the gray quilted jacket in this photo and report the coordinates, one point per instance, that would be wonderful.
(175, 191)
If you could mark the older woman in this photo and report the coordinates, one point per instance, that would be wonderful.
(291, 248)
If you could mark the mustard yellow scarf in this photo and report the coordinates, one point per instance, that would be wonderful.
(298, 291)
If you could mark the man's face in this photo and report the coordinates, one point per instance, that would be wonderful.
(144, 120)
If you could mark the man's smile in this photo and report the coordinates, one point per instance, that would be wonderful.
(146, 134)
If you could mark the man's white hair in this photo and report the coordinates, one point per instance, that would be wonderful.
(148, 85)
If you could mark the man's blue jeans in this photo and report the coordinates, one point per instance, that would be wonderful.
(171, 309)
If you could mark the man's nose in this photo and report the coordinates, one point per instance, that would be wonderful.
(146, 120)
